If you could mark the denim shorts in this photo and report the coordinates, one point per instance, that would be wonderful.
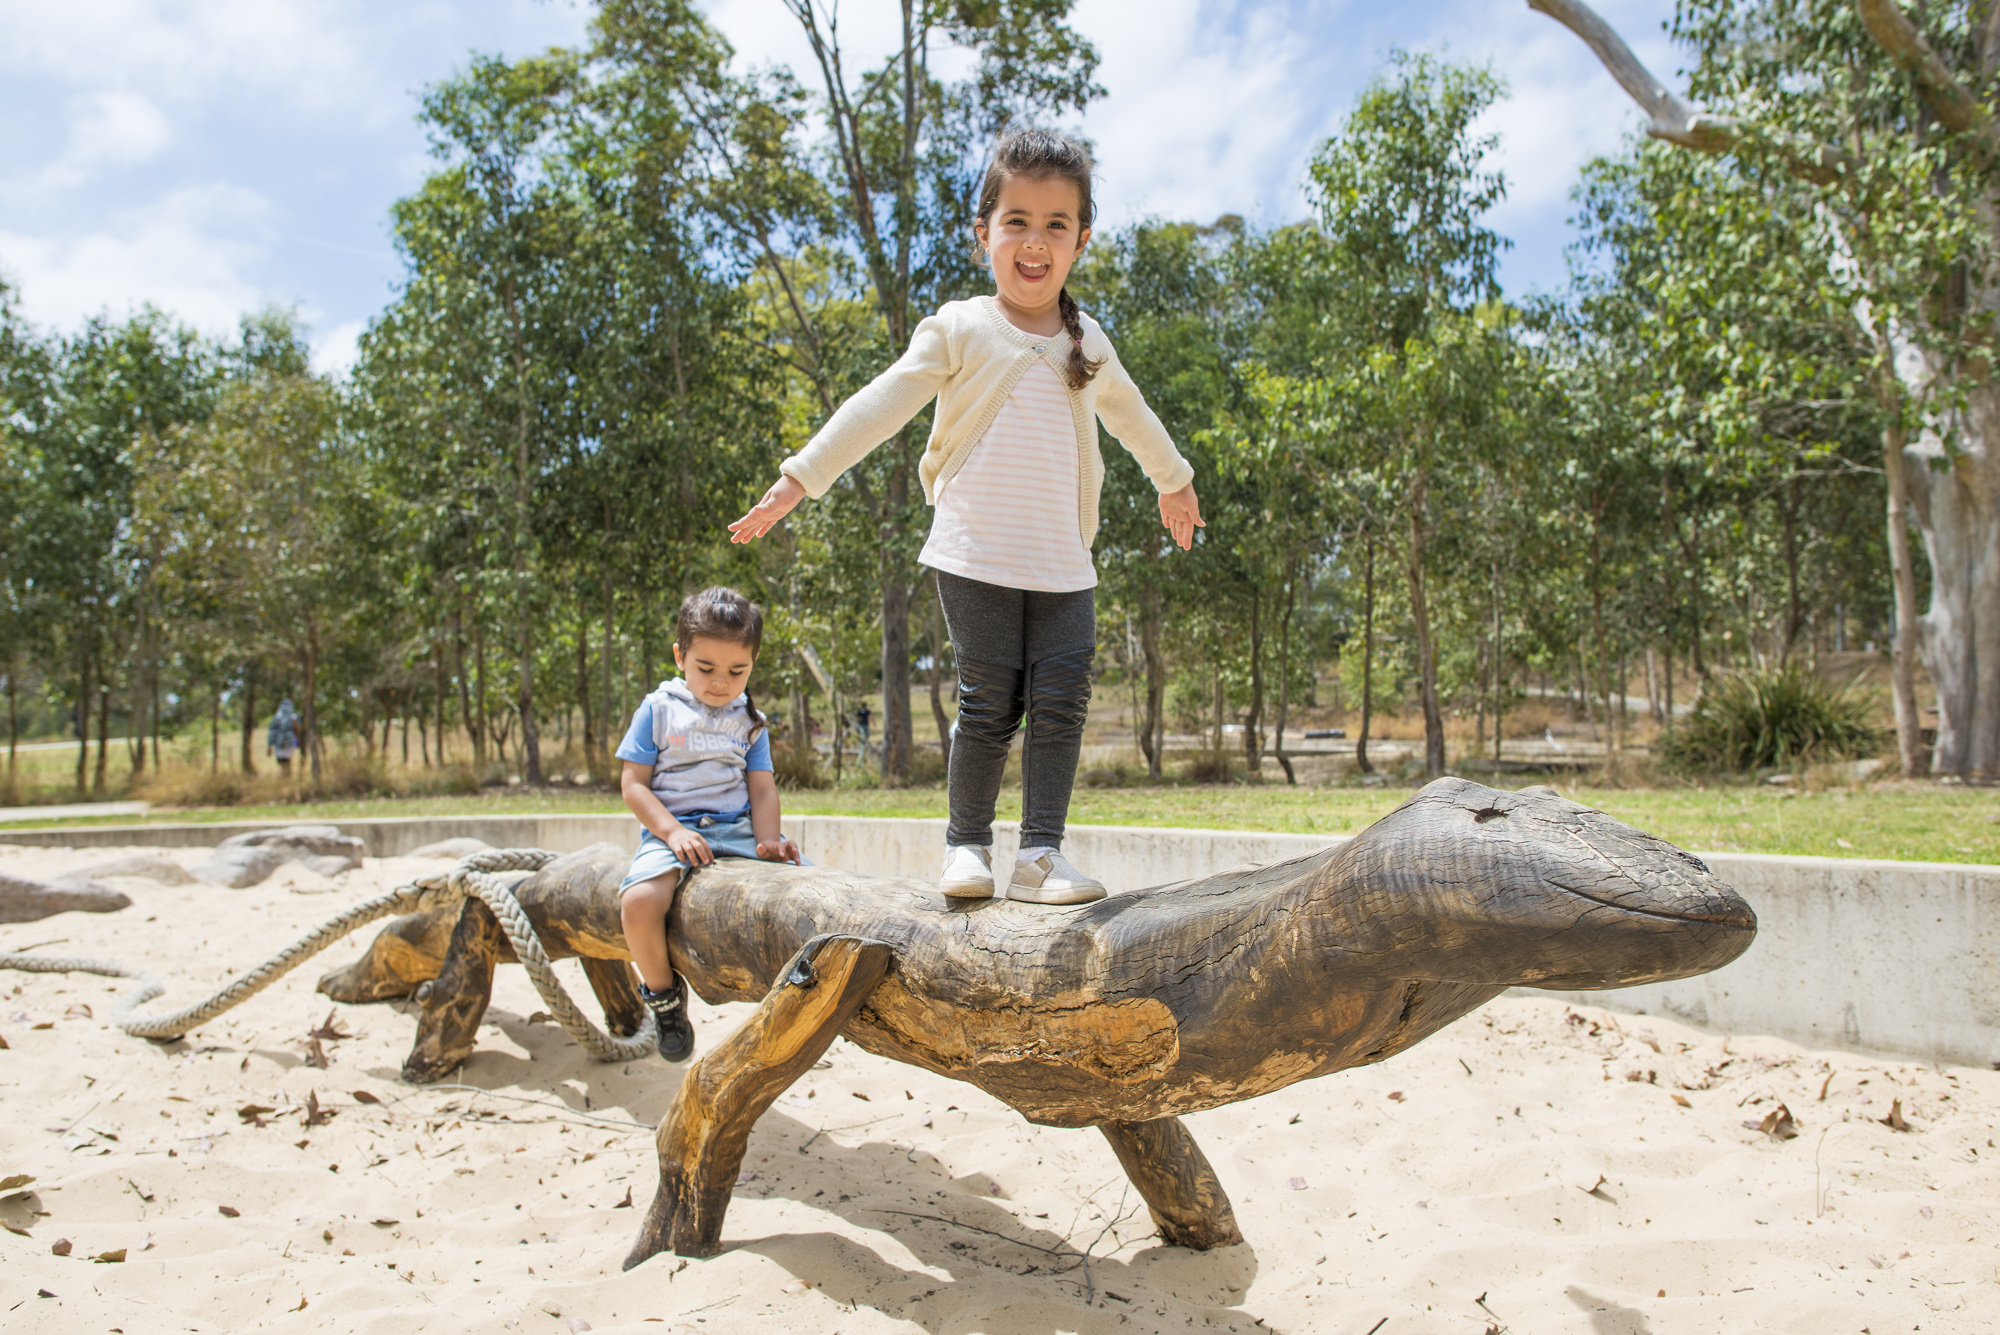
(726, 839)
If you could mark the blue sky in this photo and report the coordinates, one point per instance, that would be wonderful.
(212, 156)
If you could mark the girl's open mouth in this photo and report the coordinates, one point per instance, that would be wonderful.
(1034, 273)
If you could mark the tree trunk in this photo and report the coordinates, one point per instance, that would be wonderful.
(1903, 643)
(1955, 498)
(473, 736)
(135, 710)
(1789, 504)
(1220, 706)
(898, 734)
(1599, 649)
(83, 686)
(249, 715)
(1667, 685)
(1367, 658)
(103, 734)
(1420, 623)
(1253, 722)
(477, 719)
(935, 612)
(531, 737)
(1285, 674)
(311, 739)
(1152, 733)
(611, 711)
(583, 692)
(13, 720)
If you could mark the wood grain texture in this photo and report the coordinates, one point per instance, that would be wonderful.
(1121, 1014)
(1187, 1202)
(702, 1140)
(1190, 996)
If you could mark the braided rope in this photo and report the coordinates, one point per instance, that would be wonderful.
(476, 875)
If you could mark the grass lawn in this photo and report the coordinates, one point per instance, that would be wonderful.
(1928, 823)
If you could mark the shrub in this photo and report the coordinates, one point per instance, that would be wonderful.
(1770, 717)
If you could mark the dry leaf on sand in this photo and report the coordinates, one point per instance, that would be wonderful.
(1778, 1124)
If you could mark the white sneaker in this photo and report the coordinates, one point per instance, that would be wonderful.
(1049, 879)
(968, 872)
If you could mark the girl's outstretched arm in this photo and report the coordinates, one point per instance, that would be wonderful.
(1181, 513)
(778, 502)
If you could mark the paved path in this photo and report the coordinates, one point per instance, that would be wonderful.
(71, 810)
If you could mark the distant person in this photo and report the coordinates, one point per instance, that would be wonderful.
(282, 740)
(1020, 380)
(863, 716)
(698, 776)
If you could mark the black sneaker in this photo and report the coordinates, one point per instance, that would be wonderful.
(670, 1018)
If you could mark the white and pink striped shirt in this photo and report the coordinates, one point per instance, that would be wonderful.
(1009, 515)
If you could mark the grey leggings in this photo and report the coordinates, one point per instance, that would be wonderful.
(1019, 652)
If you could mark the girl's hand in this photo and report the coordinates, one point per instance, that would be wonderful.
(777, 503)
(690, 847)
(784, 850)
(1181, 513)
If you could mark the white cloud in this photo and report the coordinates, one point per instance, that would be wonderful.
(1200, 119)
(108, 129)
(301, 51)
(186, 254)
(334, 352)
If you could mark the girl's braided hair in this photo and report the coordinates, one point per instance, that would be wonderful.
(1042, 153)
(720, 613)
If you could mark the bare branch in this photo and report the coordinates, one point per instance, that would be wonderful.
(1671, 119)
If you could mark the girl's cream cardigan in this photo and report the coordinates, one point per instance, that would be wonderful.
(969, 358)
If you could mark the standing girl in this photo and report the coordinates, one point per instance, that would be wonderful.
(698, 776)
(1012, 467)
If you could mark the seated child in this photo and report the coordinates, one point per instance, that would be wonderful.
(698, 776)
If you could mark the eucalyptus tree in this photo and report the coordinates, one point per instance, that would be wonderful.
(1402, 192)
(861, 193)
(487, 239)
(111, 386)
(1705, 297)
(1883, 119)
(1162, 292)
(25, 366)
(266, 529)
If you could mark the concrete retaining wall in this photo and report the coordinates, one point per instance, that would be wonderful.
(1899, 957)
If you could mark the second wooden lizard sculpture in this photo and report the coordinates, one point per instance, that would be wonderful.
(1120, 1014)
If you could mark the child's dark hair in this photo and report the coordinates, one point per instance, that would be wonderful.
(1042, 153)
(723, 614)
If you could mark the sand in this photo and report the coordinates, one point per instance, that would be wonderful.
(1532, 1169)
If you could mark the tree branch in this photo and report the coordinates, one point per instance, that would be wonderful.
(1672, 119)
(1939, 89)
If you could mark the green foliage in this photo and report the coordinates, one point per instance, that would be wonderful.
(1764, 717)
